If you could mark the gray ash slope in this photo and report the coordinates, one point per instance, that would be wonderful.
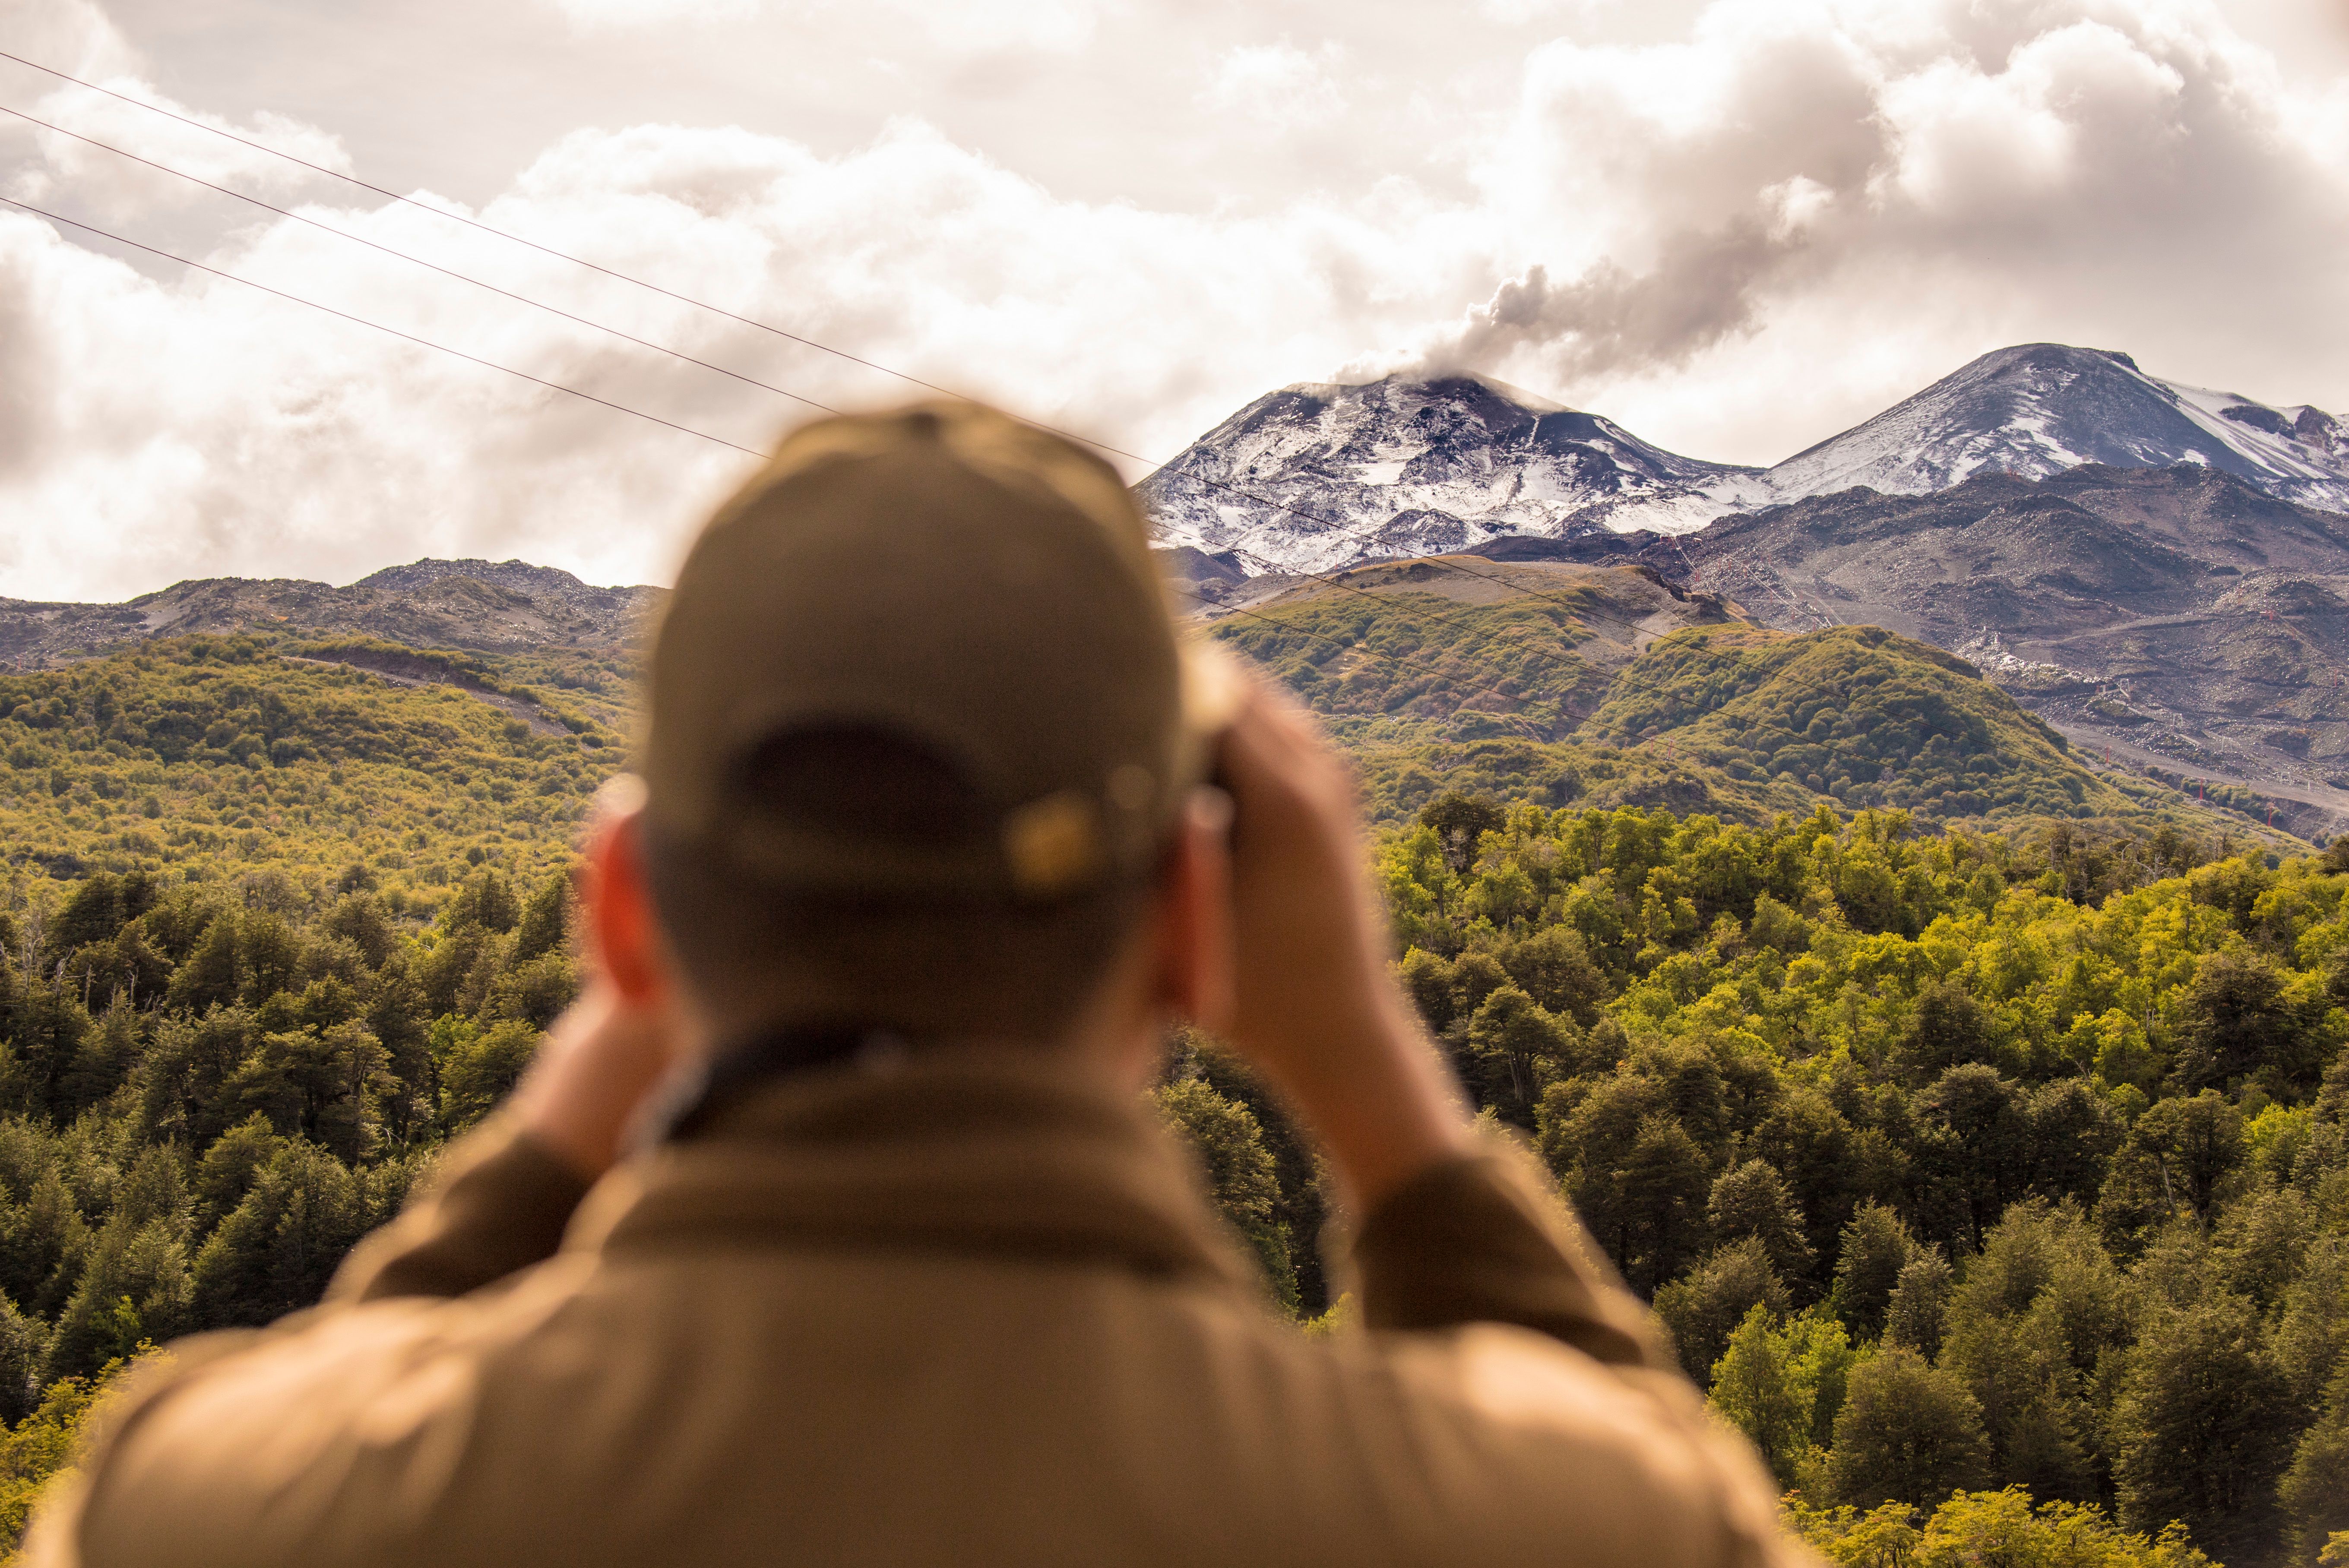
(2182, 616)
(477, 605)
(1313, 478)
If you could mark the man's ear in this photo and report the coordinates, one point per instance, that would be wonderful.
(615, 899)
(1197, 967)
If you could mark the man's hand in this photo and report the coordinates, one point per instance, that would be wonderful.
(614, 1045)
(1317, 1009)
(598, 1063)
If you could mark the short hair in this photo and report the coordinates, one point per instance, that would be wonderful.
(988, 967)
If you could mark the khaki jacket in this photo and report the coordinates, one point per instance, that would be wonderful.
(955, 1311)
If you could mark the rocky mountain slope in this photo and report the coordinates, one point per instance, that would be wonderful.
(2042, 409)
(1313, 478)
(486, 606)
(2179, 617)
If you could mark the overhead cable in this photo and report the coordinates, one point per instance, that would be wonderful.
(1332, 580)
(379, 326)
(1150, 465)
(419, 260)
(533, 244)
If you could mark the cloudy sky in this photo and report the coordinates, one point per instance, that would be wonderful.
(1735, 227)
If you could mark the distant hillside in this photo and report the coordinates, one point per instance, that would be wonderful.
(1606, 686)
(1458, 648)
(1559, 679)
(1858, 714)
(218, 759)
(506, 606)
(2179, 616)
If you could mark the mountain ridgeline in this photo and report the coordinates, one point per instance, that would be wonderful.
(508, 606)
(2159, 570)
(1313, 477)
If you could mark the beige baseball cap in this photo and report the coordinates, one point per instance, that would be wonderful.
(926, 655)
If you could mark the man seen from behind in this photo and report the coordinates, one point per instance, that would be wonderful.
(831, 1225)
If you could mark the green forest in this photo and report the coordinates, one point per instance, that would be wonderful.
(1992, 1172)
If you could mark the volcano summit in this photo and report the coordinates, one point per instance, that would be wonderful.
(1316, 476)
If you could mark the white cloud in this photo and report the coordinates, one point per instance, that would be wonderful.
(956, 26)
(622, 15)
(2131, 175)
(75, 36)
(103, 186)
(988, 26)
(1277, 85)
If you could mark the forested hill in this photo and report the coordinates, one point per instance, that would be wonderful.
(272, 929)
(1950, 1162)
(1604, 685)
(2012, 1152)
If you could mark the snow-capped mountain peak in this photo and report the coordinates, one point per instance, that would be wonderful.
(2040, 408)
(1317, 476)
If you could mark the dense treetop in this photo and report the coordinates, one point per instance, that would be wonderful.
(1950, 1162)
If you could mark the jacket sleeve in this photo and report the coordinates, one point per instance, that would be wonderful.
(1475, 1240)
(498, 1204)
(1635, 1464)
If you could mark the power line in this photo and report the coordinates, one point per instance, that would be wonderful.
(362, 321)
(701, 304)
(533, 244)
(419, 260)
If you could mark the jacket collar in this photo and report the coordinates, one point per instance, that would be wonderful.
(975, 1151)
